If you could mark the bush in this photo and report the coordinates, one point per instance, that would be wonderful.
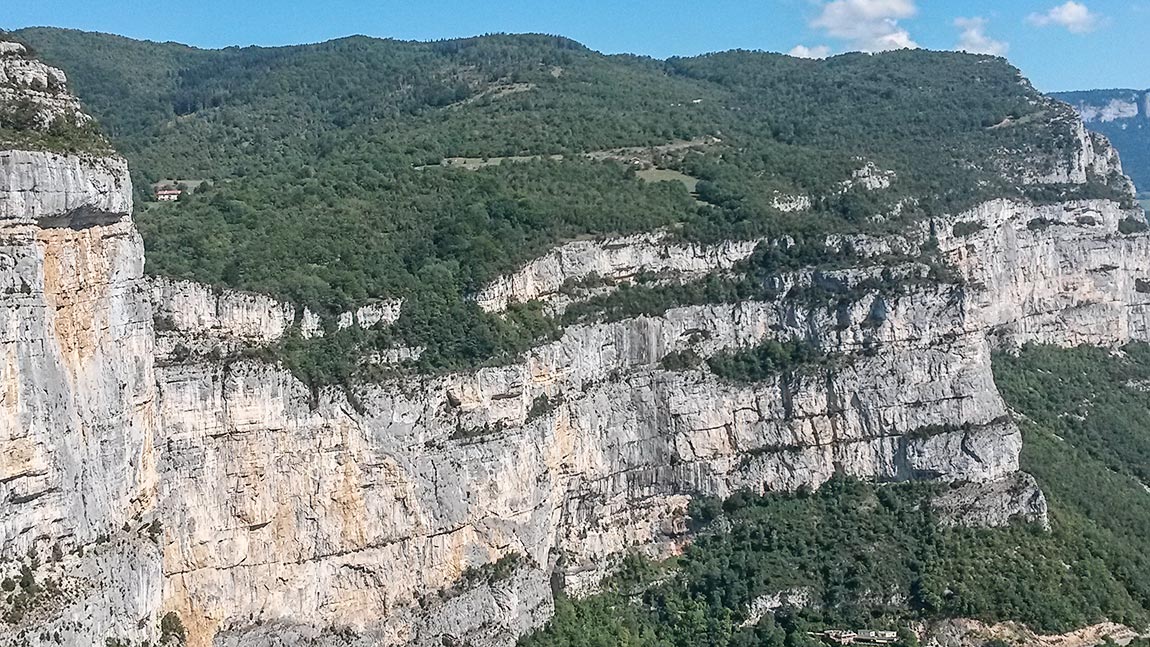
(1129, 226)
(967, 228)
(172, 627)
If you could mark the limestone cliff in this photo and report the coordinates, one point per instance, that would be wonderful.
(225, 491)
(456, 471)
(77, 421)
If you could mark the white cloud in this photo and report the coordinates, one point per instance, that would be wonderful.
(972, 38)
(868, 25)
(802, 51)
(1074, 16)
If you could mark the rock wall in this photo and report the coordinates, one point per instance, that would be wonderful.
(202, 318)
(29, 82)
(353, 515)
(1058, 274)
(65, 190)
(192, 318)
(77, 410)
(1093, 157)
(614, 260)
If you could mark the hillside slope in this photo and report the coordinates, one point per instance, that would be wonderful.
(327, 189)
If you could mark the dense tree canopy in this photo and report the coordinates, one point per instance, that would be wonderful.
(323, 183)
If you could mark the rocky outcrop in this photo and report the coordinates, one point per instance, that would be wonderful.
(209, 319)
(37, 91)
(988, 504)
(201, 320)
(1093, 158)
(611, 261)
(369, 316)
(1123, 116)
(790, 203)
(869, 177)
(962, 632)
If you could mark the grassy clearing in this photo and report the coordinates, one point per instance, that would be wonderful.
(667, 175)
(476, 163)
(638, 155)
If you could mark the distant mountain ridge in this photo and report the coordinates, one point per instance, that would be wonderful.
(1123, 115)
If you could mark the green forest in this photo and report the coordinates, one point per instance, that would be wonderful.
(875, 556)
(321, 181)
(317, 176)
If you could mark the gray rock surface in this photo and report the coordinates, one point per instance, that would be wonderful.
(77, 410)
(994, 503)
(452, 472)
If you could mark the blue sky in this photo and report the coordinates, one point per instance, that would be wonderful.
(1059, 44)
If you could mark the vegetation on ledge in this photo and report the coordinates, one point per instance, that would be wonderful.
(20, 128)
(319, 154)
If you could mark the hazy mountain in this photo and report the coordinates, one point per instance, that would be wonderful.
(1124, 117)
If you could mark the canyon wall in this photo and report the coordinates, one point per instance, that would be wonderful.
(153, 470)
(354, 514)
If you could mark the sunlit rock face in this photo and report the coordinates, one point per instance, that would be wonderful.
(78, 417)
(457, 471)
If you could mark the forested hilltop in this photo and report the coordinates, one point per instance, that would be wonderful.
(360, 169)
(312, 151)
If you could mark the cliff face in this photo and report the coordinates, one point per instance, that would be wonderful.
(225, 491)
(39, 91)
(457, 471)
(77, 421)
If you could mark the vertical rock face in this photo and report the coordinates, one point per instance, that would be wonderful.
(352, 516)
(1058, 274)
(261, 513)
(1094, 157)
(545, 278)
(77, 410)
